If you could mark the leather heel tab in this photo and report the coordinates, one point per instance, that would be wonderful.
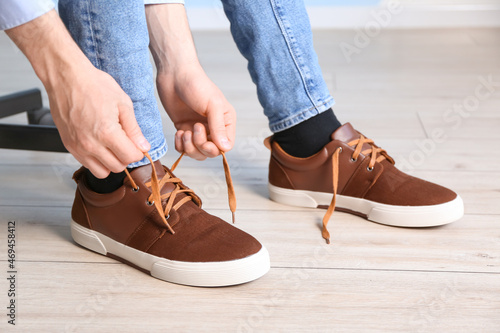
(78, 175)
(268, 142)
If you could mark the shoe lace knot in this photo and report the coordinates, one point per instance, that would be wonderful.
(156, 185)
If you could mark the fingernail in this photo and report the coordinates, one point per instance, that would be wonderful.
(144, 144)
(225, 143)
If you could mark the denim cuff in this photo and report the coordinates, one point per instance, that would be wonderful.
(301, 115)
(155, 153)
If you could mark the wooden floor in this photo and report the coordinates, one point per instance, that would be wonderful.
(400, 90)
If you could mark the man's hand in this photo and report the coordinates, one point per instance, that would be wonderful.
(204, 119)
(96, 122)
(93, 115)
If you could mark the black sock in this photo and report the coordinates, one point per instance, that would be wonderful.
(308, 137)
(107, 185)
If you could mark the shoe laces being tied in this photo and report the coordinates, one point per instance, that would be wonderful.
(156, 198)
(376, 154)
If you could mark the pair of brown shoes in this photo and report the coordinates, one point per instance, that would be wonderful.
(156, 224)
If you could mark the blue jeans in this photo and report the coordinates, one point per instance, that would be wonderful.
(273, 35)
(113, 34)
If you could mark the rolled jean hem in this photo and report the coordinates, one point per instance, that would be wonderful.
(155, 154)
(301, 116)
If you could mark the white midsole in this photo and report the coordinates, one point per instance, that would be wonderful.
(402, 216)
(202, 274)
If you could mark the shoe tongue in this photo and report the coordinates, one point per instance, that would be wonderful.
(142, 174)
(346, 133)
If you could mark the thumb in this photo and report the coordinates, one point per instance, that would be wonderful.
(132, 129)
(218, 130)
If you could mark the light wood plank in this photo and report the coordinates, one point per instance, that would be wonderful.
(469, 245)
(64, 297)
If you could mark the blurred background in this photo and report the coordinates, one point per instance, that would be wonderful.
(207, 14)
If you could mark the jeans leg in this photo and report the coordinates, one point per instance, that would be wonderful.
(275, 37)
(113, 35)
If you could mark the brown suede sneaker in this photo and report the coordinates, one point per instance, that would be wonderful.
(353, 175)
(155, 223)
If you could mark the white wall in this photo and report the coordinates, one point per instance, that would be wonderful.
(344, 14)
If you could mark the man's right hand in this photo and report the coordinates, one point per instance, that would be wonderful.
(96, 122)
(94, 116)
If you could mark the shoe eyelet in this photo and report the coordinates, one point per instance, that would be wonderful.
(369, 169)
(340, 149)
(135, 189)
(150, 203)
(167, 217)
(353, 160)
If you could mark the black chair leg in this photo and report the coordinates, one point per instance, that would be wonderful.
(41, 133)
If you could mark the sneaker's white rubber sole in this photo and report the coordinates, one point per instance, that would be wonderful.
(401, 216)
(200, 274)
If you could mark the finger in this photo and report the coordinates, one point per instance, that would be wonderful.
(108, 159)
(201, 142)
(178, 141)
(131, 128)
(189, 147)
(95, 167)
(86, 158)
(209, 146)
(122, 147)
(217, 126)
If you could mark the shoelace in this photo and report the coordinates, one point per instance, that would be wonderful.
(372, 152)
(156, 185)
